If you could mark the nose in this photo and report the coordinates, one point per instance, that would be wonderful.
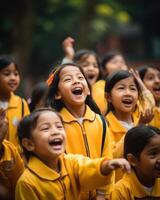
(128, 91)
(12, 76)
(157, 79)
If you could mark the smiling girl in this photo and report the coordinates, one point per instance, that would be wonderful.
(86, 130)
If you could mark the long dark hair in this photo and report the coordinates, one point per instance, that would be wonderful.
(58, 104)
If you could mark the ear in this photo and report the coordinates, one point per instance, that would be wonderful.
(57, 96)
(132, 160)
(28, 144)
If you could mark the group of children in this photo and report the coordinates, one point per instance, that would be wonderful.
(81, 150)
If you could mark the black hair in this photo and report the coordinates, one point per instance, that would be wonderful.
(39, 93)
(58, 104)
(6, 60)
(137, 138)
(81, 55)
(28, 124)
(108, 56)
(143, 69)
(112, 79)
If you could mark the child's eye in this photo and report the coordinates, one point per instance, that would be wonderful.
(67, 79)
(81, 77)
(150, 77)
(134, 88)
(44, 128)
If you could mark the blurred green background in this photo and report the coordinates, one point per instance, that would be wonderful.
(33, 31)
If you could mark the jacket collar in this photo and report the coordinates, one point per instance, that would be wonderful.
(141, 192)
(43, 171)
(13, 101)
(68, 117)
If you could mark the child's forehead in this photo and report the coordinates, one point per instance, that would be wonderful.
(154, 142)
(9, 67)
(48, 115)
(70, 69)
(126, 80)
(152, 70)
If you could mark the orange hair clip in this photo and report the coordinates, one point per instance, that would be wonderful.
(50, 79)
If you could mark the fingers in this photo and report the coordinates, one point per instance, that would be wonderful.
(68, 42)
(120, 163)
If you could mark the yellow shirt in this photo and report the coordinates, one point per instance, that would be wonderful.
(14, 114)
(98, 94)
(129, 188)
(156, 119)
(86, 138)
(39, 182)
(11, 167)
(117, 132)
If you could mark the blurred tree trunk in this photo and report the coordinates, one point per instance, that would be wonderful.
(24, 22)
(84, 30)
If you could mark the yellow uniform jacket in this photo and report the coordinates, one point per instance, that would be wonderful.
(129, 188)
(17, 109)
(98, 93)
(156, 119)
(86, 138)
(39, 182)
(11, 167)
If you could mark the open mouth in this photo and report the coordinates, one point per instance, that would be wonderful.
(90, 77)
(127, 101)
(157, 166)
(156, 89)
(77, 91)
(57, 142)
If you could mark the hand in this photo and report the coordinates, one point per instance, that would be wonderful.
(68, 47)
(146, 116)
(119, 163)
(3, 125)
(99, 197)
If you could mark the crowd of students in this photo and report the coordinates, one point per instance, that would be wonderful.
(91, 131)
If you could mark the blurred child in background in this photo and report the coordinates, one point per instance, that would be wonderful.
(86, 130)
(111, 61)
(142, 150)
(150, 75)
(39, 92)
(88, 60)
(51, 174)
(16, 106)
(11, 164)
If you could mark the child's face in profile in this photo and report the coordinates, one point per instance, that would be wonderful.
(148, 164)
(9, 78)
(152, 82)
(48, 137)
(124, 95)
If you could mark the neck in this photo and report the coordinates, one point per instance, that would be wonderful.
(158, 104)
(146, 181)
(4, 96)
(78, 111)
(126, 117)
(53, 164)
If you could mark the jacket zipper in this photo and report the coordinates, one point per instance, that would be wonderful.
(63, 188)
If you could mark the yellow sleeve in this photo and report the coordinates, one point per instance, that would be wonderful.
(88, 172)
(26, 108)
(12, 157)
(25, 192)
